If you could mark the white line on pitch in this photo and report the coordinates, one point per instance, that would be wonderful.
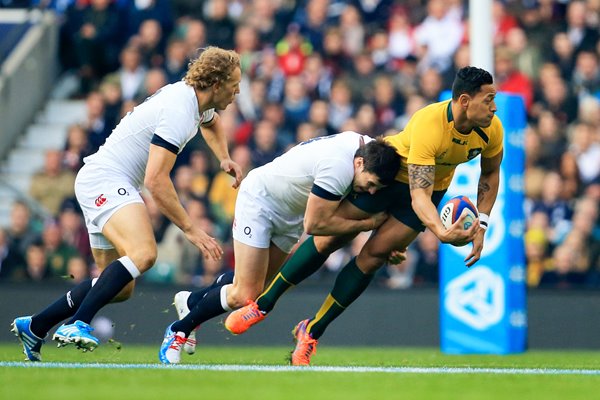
(279, 368)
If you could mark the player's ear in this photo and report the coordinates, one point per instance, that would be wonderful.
(463, 100)
(359, 162)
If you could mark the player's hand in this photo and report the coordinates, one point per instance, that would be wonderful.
(233, 169)
(475, 253)
(396, 257)
(378, 219)
(208, 246)
(457, 235)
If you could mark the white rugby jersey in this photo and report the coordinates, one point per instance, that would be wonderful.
(171, 114)
(326, 162)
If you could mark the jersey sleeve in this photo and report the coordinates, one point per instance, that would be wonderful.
(425, 138)
(496, 139)
(333, 178)
(174, 127)
(207, 116)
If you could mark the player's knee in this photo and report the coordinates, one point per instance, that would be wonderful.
(238, 295)
(144, 257)
(369, 261)
(329, 244)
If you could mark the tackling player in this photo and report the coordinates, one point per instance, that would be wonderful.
(298, 191)
(142, 149)
(437, 139)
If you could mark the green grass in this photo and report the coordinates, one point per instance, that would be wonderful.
(84, 383)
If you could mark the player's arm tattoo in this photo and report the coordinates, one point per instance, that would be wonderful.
(482, 189)
(421, 176)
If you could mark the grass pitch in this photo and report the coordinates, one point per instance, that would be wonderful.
(247, 373)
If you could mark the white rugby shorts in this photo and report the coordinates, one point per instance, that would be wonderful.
(100, 194)
(256, 222)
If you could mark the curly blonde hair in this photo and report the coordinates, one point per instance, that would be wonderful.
(212, 65)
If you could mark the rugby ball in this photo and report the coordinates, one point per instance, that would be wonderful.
(453, 209)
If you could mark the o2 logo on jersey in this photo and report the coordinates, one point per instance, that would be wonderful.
(248, 231)
(123, 192)
(100, 200)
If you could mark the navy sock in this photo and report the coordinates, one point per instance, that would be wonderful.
(64, 307)
(222, 280)
(112, 280)
(207, 308)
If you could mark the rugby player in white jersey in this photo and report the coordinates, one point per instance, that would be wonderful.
(141, 150)
(298, 191)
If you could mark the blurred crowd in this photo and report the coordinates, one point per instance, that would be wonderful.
(312, 68)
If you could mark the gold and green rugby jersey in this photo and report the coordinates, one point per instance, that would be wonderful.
(431, 139)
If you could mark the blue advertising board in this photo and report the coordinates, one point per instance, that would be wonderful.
(483, 308)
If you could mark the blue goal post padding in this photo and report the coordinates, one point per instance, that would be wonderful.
(483, 309)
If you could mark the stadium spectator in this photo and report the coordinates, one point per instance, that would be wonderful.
(76, 148)
(132, 72)
(57, 251)
(154, 80)
(151, 42)
(36, 268)
(136, 12)
(296, 103)
(388, 104)
(201, 178)
(401, 42)
(562, 273)
(341, 107)
(74, 232)
(353, 30)
(53, 183)
(177, 253)
(21, 230)
(585, 148)
(95, 30)
(97, 123)
(264, 147)
(582, 36)
(527, 58)
(220, 29)
(318, 116)
(176, 60)
(11, 261)
(221, 197)
(194, 35)
(509, 78)
(438, 36)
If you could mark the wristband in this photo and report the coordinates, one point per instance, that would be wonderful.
(484, 220)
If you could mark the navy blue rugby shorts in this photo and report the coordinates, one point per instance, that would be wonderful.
(396, 200)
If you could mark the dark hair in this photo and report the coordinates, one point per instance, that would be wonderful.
(469, 80)
(380, 159)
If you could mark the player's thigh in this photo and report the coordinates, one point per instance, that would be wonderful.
(329, 244)
(130, 231)
(251, 265)
(392, 235)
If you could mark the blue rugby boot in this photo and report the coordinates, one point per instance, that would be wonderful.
(170, 349)
(32, 345)
(77, 333)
